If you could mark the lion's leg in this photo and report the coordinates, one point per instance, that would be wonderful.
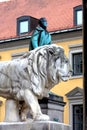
(32, 101)
(25, 112)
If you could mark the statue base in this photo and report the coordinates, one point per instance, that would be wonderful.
(34, 125)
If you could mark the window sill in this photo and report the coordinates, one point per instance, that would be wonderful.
(75, 77)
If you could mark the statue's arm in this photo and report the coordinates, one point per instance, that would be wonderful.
(34, 39)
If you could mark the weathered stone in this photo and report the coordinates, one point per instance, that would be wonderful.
(37, 125)
(53, 106)
(11, 111)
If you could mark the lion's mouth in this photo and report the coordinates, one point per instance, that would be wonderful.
(66, 77)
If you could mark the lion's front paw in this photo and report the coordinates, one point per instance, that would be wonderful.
(42, 117)
(38, 92)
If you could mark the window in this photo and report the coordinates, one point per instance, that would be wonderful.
(78, 15)
(76, 59)
(75, 98)
(77, 63)
(77, 117)
(22, 25)
(25, 24)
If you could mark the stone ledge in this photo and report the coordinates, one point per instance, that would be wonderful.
(36, 125)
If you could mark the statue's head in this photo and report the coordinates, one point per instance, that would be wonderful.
(43, 22)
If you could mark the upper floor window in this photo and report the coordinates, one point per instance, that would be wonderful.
(77, 63)
(78, 15)
(25, 24)
(22, 25)
(76, 59)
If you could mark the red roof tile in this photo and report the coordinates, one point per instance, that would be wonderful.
(59, 14)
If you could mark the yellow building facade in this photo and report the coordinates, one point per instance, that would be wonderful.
(64, 87)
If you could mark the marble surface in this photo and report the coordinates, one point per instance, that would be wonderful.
(35, 125)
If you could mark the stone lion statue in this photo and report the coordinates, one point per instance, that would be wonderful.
(30, 78)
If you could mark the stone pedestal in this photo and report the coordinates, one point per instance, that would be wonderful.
(54, 107)
(11, 111)
(37, 125)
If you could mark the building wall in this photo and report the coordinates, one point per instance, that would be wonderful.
(2, 109)
(65, 87)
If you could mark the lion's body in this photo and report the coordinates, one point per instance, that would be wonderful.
(11, 77)
(33, 74)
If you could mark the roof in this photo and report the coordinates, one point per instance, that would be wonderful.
(59, 14)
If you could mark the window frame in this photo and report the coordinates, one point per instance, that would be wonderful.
(22, 19)
(75, 97)
(74, 64)
(73, 49)
(77, 116)
(75, 10)
(71, 104)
